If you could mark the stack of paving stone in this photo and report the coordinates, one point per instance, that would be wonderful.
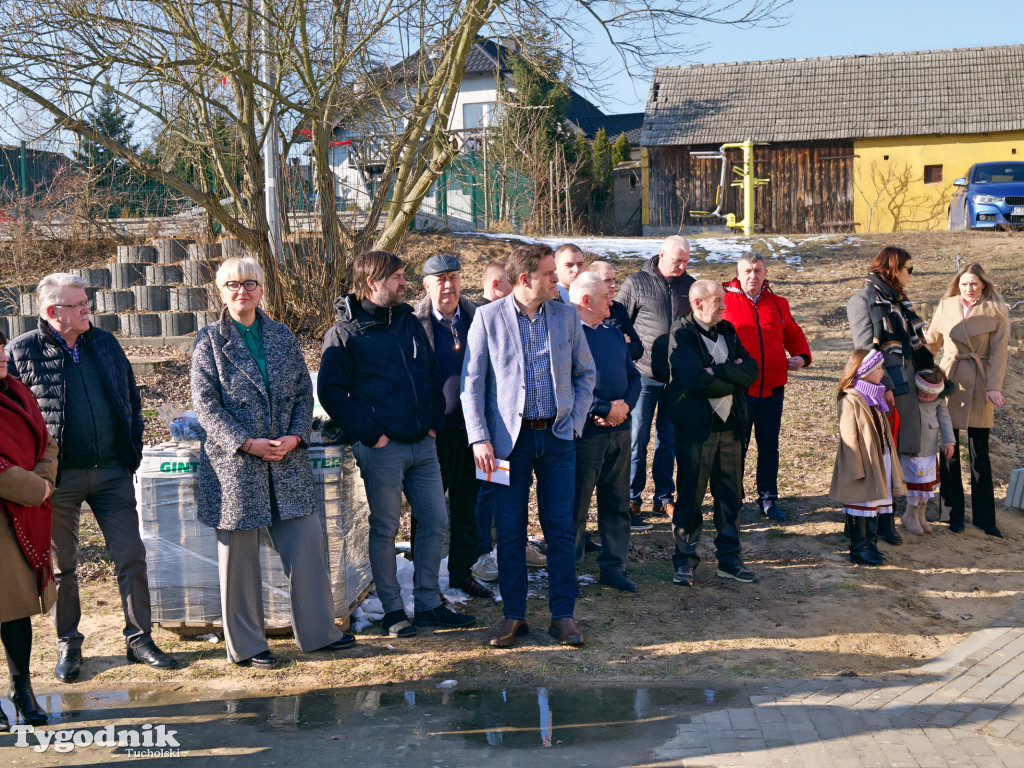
(163, 289)
(181, 553)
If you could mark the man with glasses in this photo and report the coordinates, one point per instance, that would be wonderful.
(446, 316)
(379, 381)
(85, 388)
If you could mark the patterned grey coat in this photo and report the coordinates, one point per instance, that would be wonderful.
(232, 404)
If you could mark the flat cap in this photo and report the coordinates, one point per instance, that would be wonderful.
(441, 264)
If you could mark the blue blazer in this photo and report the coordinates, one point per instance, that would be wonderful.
(493, 388)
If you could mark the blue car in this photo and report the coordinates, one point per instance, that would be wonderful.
(990, 196)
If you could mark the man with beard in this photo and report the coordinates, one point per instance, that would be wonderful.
(380, 382)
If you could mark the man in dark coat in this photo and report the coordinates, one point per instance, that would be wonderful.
(618, 317)
(710, 374)
(85, 388)
(654, 297)
(446, 317)
(379, 381)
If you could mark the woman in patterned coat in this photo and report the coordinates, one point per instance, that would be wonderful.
(253, 397)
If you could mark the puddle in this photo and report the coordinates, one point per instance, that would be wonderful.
(512, 718)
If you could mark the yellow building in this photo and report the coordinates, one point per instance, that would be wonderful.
(849, 143)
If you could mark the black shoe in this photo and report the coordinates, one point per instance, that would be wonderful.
(772, 512)
(69, 664)
(24, 701)
(589, 545)
(474, 588)
(147, 653)
(683, 576)
(5, 726)
(262, 660)
(736, 571)
(345, 641)
(618, 580)
(637, 523)
(993, 531)
(862, 549)
(956, 526)
(886, 527)
(442, 617)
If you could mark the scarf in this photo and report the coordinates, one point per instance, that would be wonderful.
(901, 330)
(873, 393)
(23, 440)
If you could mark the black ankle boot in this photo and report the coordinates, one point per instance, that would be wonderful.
(24, 701)
(887, 529)
(4, 725)
(871, 528)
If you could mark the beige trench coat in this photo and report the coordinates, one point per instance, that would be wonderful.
(973, 356)
(859, 472)
(20, 595)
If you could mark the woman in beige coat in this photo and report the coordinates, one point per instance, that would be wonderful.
(28, 471)
(867, 473)
(971, 325)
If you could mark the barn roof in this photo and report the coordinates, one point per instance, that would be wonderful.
(957, 91)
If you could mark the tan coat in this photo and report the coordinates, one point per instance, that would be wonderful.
(973, 356)
(20, 595)
(859, 471)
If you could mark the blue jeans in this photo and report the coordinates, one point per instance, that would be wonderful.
(554, 461)
(653, 395)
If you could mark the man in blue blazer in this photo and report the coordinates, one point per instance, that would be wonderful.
(527, 386)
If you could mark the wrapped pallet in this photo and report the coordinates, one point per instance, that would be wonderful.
(182, 553)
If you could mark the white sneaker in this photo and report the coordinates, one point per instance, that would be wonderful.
(534, 558)
(485, 568)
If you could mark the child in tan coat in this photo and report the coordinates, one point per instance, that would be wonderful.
(865, 476)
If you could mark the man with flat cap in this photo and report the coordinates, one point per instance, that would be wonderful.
(446, 317)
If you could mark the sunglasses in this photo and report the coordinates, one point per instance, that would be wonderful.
(910, 270)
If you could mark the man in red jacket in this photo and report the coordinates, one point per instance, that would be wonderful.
(767, 330)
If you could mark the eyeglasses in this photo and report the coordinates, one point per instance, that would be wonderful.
(249, 285)
(910, 270)
(79, 306)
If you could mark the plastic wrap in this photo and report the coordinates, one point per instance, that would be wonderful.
(181, 553)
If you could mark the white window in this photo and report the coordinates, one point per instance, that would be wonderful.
(477, 115)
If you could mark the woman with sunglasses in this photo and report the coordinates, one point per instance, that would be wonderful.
(253, 397)
(971, 325)
(882, 317)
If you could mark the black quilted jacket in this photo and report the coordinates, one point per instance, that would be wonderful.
(653, 304)
(37, 359)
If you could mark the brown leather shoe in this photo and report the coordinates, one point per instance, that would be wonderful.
(660, 510)
(635, 507)
(507, 632)
(565, 631)
(474, 588)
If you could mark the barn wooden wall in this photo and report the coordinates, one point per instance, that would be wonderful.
(811, 187)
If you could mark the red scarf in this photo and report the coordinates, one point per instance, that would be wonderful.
(23, 440)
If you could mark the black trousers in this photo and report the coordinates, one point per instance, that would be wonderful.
(983, 502)
(602, 462)
(458, 474)
(719, 462)
(764, 416)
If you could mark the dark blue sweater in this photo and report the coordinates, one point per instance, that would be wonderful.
(449, 360)
(617, 377)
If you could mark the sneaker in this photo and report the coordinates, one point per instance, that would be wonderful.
(663, 510)
(772, 512)
(683, 576)
(637, 523)
(443, 617)
(534, 558)
(485, 568)
(736, 571)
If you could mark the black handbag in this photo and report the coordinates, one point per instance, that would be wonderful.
(898, 375)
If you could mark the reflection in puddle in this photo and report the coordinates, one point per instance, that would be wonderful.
(508, 717)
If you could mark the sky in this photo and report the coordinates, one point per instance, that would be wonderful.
(829, 28)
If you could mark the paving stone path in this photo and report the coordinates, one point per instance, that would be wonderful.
(963, 709)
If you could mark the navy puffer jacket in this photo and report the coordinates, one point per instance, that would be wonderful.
(37, 359)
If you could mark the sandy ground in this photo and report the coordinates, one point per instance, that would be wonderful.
(812, 613)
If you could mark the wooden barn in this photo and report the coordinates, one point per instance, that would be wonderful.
(850, 143)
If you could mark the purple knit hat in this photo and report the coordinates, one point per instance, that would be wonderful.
(872, 360)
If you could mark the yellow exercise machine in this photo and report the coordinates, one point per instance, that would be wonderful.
(746, 179)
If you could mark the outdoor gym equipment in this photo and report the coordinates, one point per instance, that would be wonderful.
(746, 179)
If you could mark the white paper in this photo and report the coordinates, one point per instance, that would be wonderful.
(499, 475)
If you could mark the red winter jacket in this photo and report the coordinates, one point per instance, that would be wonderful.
(768, 331)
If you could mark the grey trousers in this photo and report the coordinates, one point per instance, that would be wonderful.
(387, 471)
(109, 493)
(602, 462)
(299, 542)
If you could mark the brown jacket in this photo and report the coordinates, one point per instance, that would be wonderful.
(859, 471)
(973, 356)
(20, 596)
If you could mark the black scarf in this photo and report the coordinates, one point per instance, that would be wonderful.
(901, 329)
